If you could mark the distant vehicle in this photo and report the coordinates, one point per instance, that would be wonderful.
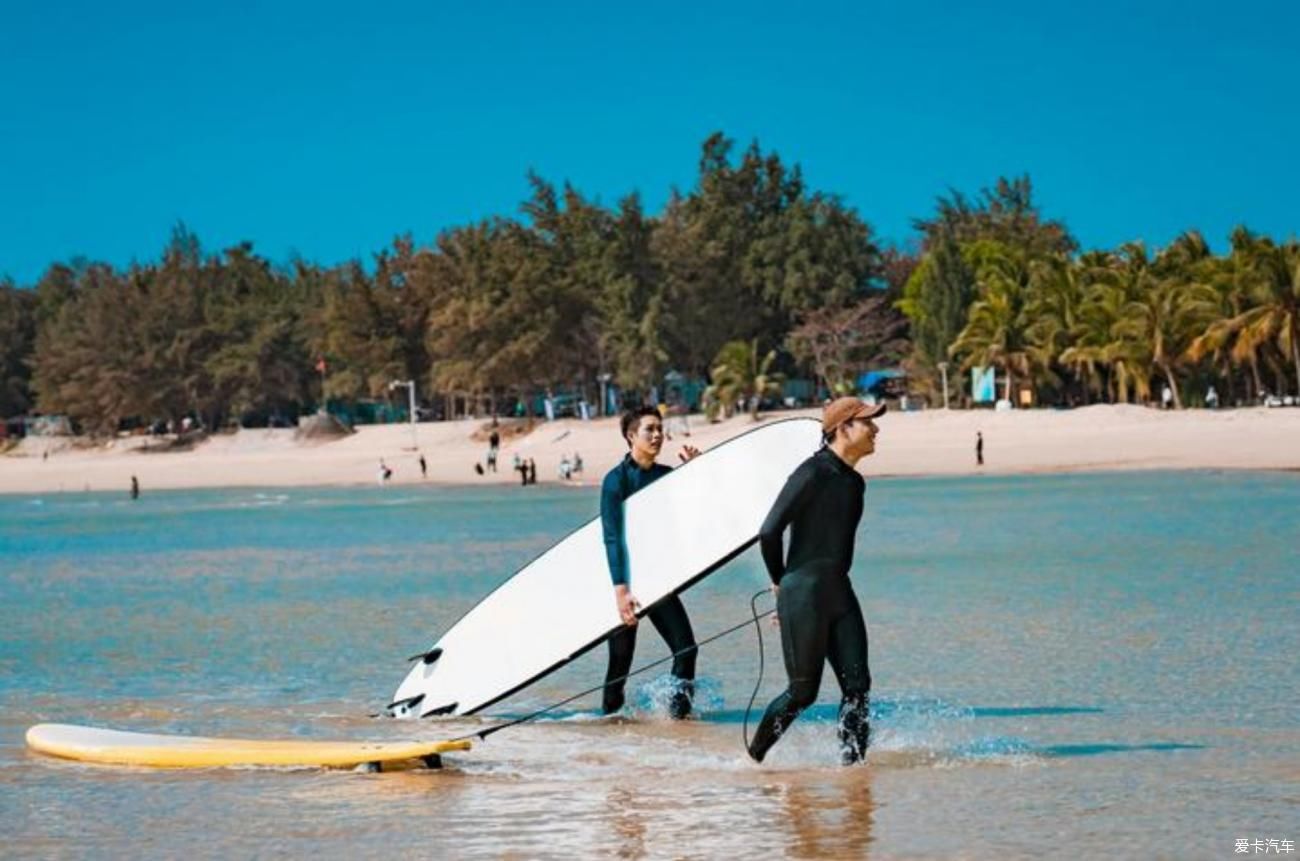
(565, 404)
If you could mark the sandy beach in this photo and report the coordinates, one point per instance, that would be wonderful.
(934, 442)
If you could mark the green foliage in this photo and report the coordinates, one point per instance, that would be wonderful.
(210, 338)
(17, 339)
(1271, 276)
(997, 327)
(634, 306)
(1005, 213)
(936, 299)
(838, 342)
(751, 250)
(742, 378)
(571, 291)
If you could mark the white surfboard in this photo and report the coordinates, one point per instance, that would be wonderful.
(678, 530)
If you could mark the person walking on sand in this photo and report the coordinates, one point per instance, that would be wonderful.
(817, 610)
(424, 467)
(494, 446)
(643, 431)
(979, 448)
(135, 487)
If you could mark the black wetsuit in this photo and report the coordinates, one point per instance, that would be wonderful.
(820, 616)
(668, 616)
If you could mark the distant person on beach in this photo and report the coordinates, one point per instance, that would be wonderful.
(135, 487)
(385, 473)
(644, 433)
(424, 468)
(679, 419)
(565, 469)
(662, 409)
(979, 448)
(816, 607)
(494, 444)
(1212, 398)
(577, 463)
(1166, 397)
(521, 467)
(532, 471)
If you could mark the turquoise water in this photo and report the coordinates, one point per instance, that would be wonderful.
(1083, 666)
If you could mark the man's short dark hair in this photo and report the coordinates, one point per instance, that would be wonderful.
(631, 421)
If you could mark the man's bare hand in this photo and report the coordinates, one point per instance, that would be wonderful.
(628, 605)
(688, 452)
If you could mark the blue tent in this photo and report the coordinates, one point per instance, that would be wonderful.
(871, 380)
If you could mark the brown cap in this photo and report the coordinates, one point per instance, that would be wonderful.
(840, 410)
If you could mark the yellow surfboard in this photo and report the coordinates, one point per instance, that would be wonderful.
(116, 747)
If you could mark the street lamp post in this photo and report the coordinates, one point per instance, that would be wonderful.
(943, 369)
(604, 383)
(410, 393)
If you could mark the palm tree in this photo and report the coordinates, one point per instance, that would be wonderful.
(1056, 299)
(1275, 288)
(740, 375)
(996, 332)
(1091, 325)
(1231, 277)
(1166, 312)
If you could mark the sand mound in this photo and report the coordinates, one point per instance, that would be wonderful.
(321, 427)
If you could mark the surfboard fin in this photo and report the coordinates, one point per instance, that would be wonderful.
(404, 706)
(441, 710)
(427, 657)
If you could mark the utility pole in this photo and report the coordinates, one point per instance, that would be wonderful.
(604, 383)
(410, 392)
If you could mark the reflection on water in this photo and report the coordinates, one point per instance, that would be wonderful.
(1078, 660)
(831, 819)
(627, 824)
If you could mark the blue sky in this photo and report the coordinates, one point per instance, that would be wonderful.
(325, 129)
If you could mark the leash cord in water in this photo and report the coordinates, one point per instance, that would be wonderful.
(758, 683)
(482, 735)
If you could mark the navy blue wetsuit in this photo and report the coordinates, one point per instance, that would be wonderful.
(820, 616)
(668, 616)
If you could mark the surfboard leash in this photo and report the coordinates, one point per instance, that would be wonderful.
(482, 734)
(758, 683)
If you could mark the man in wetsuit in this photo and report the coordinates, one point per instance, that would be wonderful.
(644, 433)
(819, 615)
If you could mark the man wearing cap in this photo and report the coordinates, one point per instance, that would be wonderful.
(818, 612)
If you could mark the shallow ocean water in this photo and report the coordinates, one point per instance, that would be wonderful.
(1078, 665)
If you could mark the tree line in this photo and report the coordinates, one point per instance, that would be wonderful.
(749, 277)
(998, 286)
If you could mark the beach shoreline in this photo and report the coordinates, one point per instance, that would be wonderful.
(1099, 438)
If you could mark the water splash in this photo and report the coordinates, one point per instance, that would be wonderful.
(653, 698)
